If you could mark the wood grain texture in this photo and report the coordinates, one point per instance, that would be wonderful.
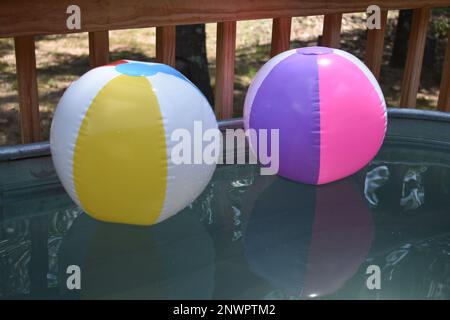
(28, 91)
(375, 47)
(25, 17)
(165, 45)
(414, 59)
(331, 35)
(225, 56)
(444, 93)
(98, 48)
(281, 35)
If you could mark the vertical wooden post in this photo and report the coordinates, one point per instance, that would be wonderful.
(331, 34)
(98, 48)
(414, 59)
(281, 35)
(225, 54)
(444, 93)
(375, 45)
(165, 45)
(28, 90)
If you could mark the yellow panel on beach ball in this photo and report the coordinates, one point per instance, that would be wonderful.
(136, 153)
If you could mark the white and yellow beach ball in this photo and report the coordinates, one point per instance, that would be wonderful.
(111, 142)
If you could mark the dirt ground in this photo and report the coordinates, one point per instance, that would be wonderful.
(63, 58)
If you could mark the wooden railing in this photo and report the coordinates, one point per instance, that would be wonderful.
(24, 19)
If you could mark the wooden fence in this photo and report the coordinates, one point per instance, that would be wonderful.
(25, 19)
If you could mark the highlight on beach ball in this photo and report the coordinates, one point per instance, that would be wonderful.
(328, 108)
(111, 142)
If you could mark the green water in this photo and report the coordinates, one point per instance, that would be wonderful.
(246, 236)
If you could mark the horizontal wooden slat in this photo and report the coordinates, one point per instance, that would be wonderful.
(375, 47)
(165, 45)
(224, 89)
(281, 35)
(25, 17)
(28, 91)
(414, 58)
(444, 94)
(331, 34)
(98, 48)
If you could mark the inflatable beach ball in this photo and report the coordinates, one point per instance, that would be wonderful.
(328, 108)
(111, 142)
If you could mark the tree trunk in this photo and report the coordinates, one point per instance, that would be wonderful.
(400, 47)
(429, 58)
(191, 57)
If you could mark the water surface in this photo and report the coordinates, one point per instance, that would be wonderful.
(247, 236)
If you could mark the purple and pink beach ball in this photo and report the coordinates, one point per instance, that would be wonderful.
(328, 108)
